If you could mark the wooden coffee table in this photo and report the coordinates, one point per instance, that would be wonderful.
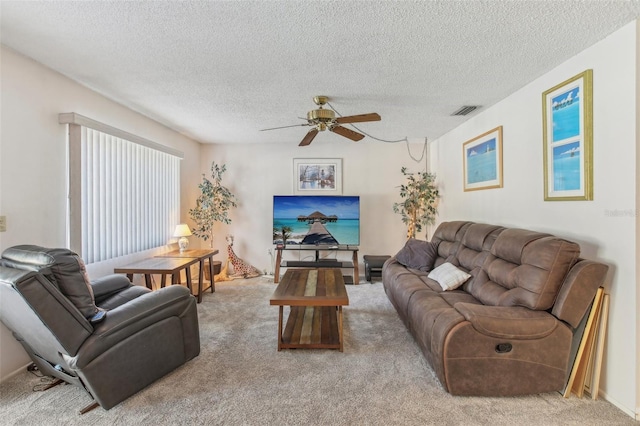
(316, 297)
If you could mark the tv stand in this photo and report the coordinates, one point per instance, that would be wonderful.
(318, 262)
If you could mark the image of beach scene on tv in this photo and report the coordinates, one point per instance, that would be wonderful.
(323, 219)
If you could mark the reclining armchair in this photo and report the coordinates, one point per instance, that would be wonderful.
(108, 337)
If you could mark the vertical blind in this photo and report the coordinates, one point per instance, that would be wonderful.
(123, 190)
(130, 196)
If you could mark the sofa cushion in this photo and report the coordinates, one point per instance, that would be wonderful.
(417, 254)
(448, 276)
(401, 283)
(475, 245)
(447, 237)
(481, 236)
(525, 269)
(513, 242)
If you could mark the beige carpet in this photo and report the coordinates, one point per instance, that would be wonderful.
(241, 378)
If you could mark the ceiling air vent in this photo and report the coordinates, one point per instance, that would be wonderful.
(465, 110)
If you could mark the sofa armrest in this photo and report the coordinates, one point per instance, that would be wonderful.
(108, 285)
(578, 290)
(508, 322)
(128, 319)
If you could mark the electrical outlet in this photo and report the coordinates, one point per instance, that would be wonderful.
(3, 224)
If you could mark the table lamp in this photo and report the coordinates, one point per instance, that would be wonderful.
(183, 232)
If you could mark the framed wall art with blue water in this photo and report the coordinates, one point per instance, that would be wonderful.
(567, 113)
(482, 158)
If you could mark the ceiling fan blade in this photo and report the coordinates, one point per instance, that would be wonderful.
(309, 137)
(284, 127)
(358, 118)
(347, 133)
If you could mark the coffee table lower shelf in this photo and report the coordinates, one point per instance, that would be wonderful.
(311, 327)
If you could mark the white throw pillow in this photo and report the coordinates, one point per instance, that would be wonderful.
(448, 276)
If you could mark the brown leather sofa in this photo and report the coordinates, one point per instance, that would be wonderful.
(508, 329)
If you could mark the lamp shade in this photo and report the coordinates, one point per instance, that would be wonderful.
(182, 230)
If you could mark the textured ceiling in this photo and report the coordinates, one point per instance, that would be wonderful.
(220, 71)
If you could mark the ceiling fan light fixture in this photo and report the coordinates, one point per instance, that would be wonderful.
(321, 114)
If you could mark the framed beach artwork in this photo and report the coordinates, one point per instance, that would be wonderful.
(482, 158)
(317, 176)
(567, 112)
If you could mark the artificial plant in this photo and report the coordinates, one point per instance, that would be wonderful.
(418, 207)
(212, 205)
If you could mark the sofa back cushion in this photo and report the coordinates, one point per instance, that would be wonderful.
(524, 268)
(447, 238)
(476, 245)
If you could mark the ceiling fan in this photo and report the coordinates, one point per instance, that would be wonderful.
(322, 119)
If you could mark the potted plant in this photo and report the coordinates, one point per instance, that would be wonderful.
(419, 206)
(212, 205)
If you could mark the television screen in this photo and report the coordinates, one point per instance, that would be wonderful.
(322, 219)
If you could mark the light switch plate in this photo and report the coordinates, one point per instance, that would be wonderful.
(3, 224)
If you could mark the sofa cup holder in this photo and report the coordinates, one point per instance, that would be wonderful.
(503, 348)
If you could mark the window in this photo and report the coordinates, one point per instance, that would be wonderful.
(124, 191)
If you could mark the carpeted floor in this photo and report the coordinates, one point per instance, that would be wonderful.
(240, 378)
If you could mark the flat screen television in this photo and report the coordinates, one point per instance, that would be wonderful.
(332, 220)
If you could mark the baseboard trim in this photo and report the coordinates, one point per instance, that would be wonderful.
(16, 372)
(634, 415)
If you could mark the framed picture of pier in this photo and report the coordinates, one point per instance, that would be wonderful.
(482, 159)
(317, 176)
(567, 127)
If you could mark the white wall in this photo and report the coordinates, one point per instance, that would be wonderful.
(637, 121)
(603, 235)
(257, 172)
(33, 160)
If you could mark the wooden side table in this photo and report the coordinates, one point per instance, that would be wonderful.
(318, 262)
(160, 266)
(199, 255)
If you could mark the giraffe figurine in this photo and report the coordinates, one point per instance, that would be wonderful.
(241, 269)
(224, 273)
